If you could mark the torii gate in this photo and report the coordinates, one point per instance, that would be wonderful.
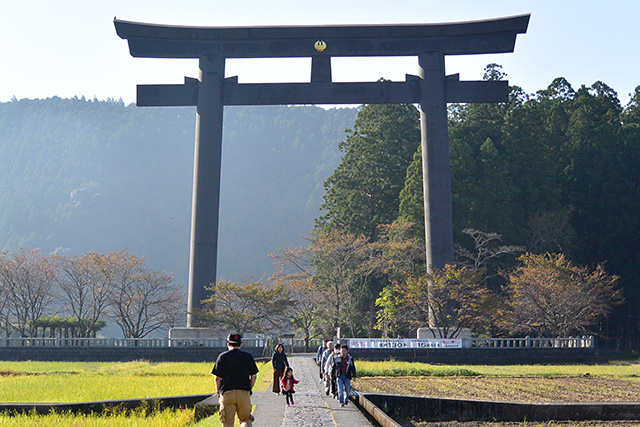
(432, 89)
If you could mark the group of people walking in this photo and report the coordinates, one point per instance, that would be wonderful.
(337, 368)
(236, 372)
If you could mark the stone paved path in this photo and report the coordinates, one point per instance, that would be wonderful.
(311, 409)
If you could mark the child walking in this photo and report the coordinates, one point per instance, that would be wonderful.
(287, 383)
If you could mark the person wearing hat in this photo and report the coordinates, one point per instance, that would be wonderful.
(235, 375)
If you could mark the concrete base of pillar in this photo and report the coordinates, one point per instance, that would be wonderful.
(197, 333)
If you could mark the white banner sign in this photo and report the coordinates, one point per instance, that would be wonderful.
(364, 343)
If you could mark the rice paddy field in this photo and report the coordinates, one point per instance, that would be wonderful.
(50, 382)
(79, 382)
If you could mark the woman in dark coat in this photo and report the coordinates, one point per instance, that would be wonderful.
(279, 363)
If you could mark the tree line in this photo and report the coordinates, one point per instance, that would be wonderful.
(75, 296)
(546, 190)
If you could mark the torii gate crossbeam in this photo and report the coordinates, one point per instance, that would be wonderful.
(432, 89)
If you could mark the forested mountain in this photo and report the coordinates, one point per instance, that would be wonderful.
(79, 176)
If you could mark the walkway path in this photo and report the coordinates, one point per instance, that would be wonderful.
(311, 409)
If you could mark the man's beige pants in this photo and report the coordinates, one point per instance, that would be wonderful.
(232, 402)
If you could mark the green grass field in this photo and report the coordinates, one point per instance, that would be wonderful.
(167, 418)
(80, 382)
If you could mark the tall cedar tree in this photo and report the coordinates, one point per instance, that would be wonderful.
(364, 190)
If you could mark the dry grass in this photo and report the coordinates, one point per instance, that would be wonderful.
(411, 423)
(516, 389)
(618, 382)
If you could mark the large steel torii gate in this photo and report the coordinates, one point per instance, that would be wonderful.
(432, 89)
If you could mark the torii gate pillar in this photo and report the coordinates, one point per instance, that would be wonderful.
(206, 182)
(436, 174)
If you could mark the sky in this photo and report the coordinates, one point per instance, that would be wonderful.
(69, 48)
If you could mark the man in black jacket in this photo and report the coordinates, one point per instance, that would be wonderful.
(235, 375)
(344, 368)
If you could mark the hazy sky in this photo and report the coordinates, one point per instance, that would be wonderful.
(69, 48)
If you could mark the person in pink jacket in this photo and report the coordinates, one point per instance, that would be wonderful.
(286, 383)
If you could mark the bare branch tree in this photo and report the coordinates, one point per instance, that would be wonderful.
(5, 315)
(487, 249)
(143, 301)
(29, 281)
(87, 287)
(295, 273)
(253, 307)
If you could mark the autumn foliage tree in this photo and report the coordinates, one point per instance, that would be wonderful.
(449, 299)
(145, 302)
(333, 281)
(551, 296)
(28, 281)
(256, 307)
(345, 268)
(295, 271)
(88, 289)
(87, 284)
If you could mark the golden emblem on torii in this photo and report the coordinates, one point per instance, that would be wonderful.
(320, 45)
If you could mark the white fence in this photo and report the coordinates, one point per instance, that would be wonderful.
(138, 342)
(528, 342)
(506, 343)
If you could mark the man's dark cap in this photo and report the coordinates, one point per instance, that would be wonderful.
(235, 339)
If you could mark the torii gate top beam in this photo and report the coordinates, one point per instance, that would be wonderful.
(474, 37)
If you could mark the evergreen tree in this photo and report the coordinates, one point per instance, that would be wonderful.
(631, 114)
(364, 190)
(595, 171)
(411, 207)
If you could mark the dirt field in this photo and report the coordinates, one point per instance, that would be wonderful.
(513, 389)
(529, 424)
